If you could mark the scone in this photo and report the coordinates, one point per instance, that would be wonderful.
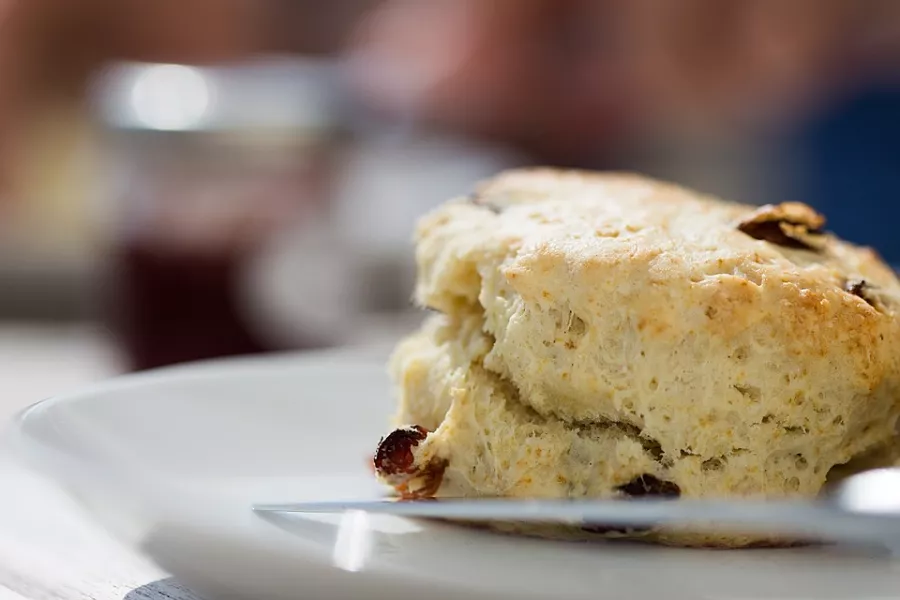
(615, 336)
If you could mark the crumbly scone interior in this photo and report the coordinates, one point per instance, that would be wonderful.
(497, 445)
(560, 368)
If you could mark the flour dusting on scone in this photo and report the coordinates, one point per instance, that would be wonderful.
(612, 336)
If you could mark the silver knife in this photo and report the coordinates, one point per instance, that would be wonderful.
(864, 509)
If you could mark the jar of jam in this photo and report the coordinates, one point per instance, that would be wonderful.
(201, 167)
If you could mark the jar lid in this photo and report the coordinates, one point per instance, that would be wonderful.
(273, 95)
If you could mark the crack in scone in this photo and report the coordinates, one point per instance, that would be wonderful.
(488, 432)
(563, 453)
(650, 445)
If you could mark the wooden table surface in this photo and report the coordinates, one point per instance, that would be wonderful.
(48, 548)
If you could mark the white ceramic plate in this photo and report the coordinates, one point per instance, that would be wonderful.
(170, 461)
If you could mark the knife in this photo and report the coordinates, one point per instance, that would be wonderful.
(864, 509)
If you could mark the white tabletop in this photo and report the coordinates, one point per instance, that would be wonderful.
(48, 549)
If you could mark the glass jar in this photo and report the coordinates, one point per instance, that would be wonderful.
(202, 166)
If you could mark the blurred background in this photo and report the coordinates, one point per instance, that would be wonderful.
(186, 179)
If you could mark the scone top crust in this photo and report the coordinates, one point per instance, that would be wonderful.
(601, 219)
(614, 297)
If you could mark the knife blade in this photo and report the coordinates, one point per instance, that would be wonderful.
(819, 520)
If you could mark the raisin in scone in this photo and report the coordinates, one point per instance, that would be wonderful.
(615, 336)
